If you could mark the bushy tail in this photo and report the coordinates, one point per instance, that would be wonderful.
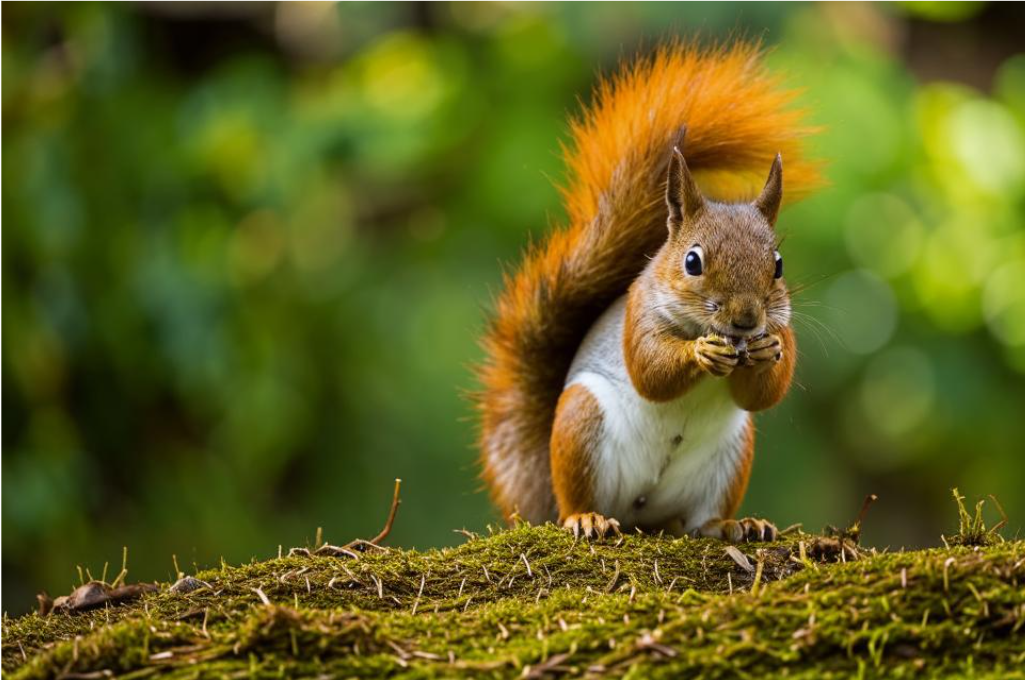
(736, 117)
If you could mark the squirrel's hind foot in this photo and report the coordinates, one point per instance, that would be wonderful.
(590, 525)
(749, 529)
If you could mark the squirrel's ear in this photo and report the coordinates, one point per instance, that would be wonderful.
(768, 202)
(682, 194)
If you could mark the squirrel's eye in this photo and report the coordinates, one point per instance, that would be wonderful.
(779, 265)
(693, 263)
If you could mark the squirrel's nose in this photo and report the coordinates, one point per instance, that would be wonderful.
(745, 319)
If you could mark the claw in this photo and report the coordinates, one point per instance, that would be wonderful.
(734, 531)
(591, 525)
(716, 355)
(587, 525)
(764, 352)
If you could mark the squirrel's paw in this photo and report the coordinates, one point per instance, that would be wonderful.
(738, 531)
(716, 355)
(590, 524)
(764, 352)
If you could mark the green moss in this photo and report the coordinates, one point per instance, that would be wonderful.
(972, 529)
(531, 597)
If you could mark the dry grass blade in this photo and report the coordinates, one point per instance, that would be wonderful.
(552, 665)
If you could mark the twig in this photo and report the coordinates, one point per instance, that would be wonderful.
(352, 548)
(391, 516)
(869, 500)
(332, 550)
(469, 534)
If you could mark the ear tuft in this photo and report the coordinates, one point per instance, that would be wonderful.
(772, 194)
(682, 194)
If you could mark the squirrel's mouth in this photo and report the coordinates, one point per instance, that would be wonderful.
(746, 334)
(738, 334)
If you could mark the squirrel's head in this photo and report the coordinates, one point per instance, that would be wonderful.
(720, 270)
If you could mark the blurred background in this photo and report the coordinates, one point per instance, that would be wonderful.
(248, 249)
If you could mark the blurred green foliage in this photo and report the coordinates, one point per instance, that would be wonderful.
(247, 253)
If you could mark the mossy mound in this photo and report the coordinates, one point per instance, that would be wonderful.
(531, 602)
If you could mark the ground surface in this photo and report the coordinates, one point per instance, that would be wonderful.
(532, 602)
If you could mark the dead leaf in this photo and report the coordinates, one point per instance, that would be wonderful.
(88, 596)
(188, 584)
(740, 558)
(95, 594)
(45, 603)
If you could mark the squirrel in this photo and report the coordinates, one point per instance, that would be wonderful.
(627, 352)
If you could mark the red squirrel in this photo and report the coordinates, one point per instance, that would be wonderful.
(628, 351)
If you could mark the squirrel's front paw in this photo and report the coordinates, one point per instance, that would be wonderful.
(764, 352)
(716, 355)
(590, 524)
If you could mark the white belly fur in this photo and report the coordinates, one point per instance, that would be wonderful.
(639, 456)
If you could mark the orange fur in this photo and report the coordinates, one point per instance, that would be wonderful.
(578, 423)
(737, 118)
(754, 391)
(661, 364)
